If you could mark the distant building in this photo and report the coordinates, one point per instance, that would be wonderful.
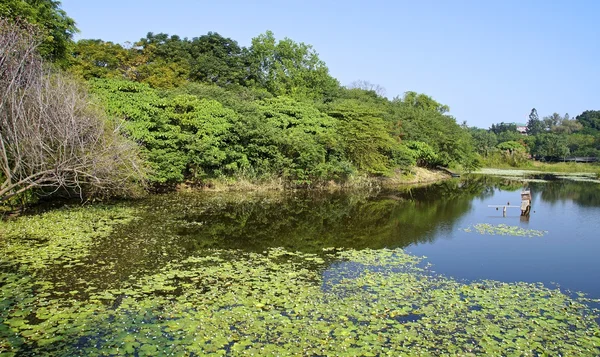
(521, 128)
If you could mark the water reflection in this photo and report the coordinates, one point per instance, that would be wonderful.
(426, 220)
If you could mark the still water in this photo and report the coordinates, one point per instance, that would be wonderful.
(426, 221)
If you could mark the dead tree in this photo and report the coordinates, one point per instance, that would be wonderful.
(51, 134)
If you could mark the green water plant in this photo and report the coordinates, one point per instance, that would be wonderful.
(340, 302)
(504, 230)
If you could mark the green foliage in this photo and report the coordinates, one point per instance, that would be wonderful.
(534, 125)
(288, 68)
(57, 29)
(426, 123)
(184, 137)
(366, 138)
(484, 141)
(503, 127)
(424, 102)
(555, 137)
(512, 153)
(424, 154)
(590, 120)
(308, 142)
(584, 144)
(286, 116)
(218, 60)
(99, 59)
(187, 137)
(550, 145)
(512, 146)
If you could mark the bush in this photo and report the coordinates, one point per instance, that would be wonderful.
(50, 137)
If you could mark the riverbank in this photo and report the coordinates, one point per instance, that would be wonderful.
(413, 176)
(544, 167)
(539, 175)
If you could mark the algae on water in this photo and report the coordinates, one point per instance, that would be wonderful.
(504, 230)
(276, 302)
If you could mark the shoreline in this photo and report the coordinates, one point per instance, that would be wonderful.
(415, 176)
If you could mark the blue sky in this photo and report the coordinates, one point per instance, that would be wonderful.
(490, 61)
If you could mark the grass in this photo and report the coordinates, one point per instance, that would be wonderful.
(541, 167)
(571, 167)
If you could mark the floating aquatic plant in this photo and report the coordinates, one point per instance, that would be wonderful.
(276, 302)
(505, 230)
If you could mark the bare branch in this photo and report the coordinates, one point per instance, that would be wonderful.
(50, 137)
(368, 86)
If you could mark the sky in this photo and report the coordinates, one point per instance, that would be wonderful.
(491, 61)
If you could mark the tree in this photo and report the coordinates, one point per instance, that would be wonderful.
(514, 153)
(484, 140)
(423, 101)
(567, 126)
(99, 59)
(422, 119)
(534, 125)
(183, 136)
(590, 119)
(549, 145)
(366, 138)
(161, 60)
(504, 127)
(55, 27)
(289, 68)
(50, 138)
(308, 141)
(368, 86)
(552, 121)
(216, 59)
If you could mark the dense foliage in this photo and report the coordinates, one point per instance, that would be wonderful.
(207, 108)
(55, 27)
(296, 123)
(552, 138)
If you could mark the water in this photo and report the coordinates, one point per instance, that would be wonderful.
(567, 256)
(427, 221)
(136, 290)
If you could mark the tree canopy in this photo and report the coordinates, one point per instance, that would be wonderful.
(56, 29)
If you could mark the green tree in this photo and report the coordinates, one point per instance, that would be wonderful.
(484, 141)
(99, 59)
(590, 120)
(308, 141)
(426, 123)
(161, 60)
(534, 125)
(550, 145)
(289, 68)
(423, 101)
(57, 29)
(513, 152)
(184, 137)
(582, 145)
(367, 142)
(567, 126)
(216, 59)
(503, 127)
(551, 121)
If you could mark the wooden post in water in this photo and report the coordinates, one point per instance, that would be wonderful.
(525, 202)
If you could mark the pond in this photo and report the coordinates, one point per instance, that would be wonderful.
(310, 273)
